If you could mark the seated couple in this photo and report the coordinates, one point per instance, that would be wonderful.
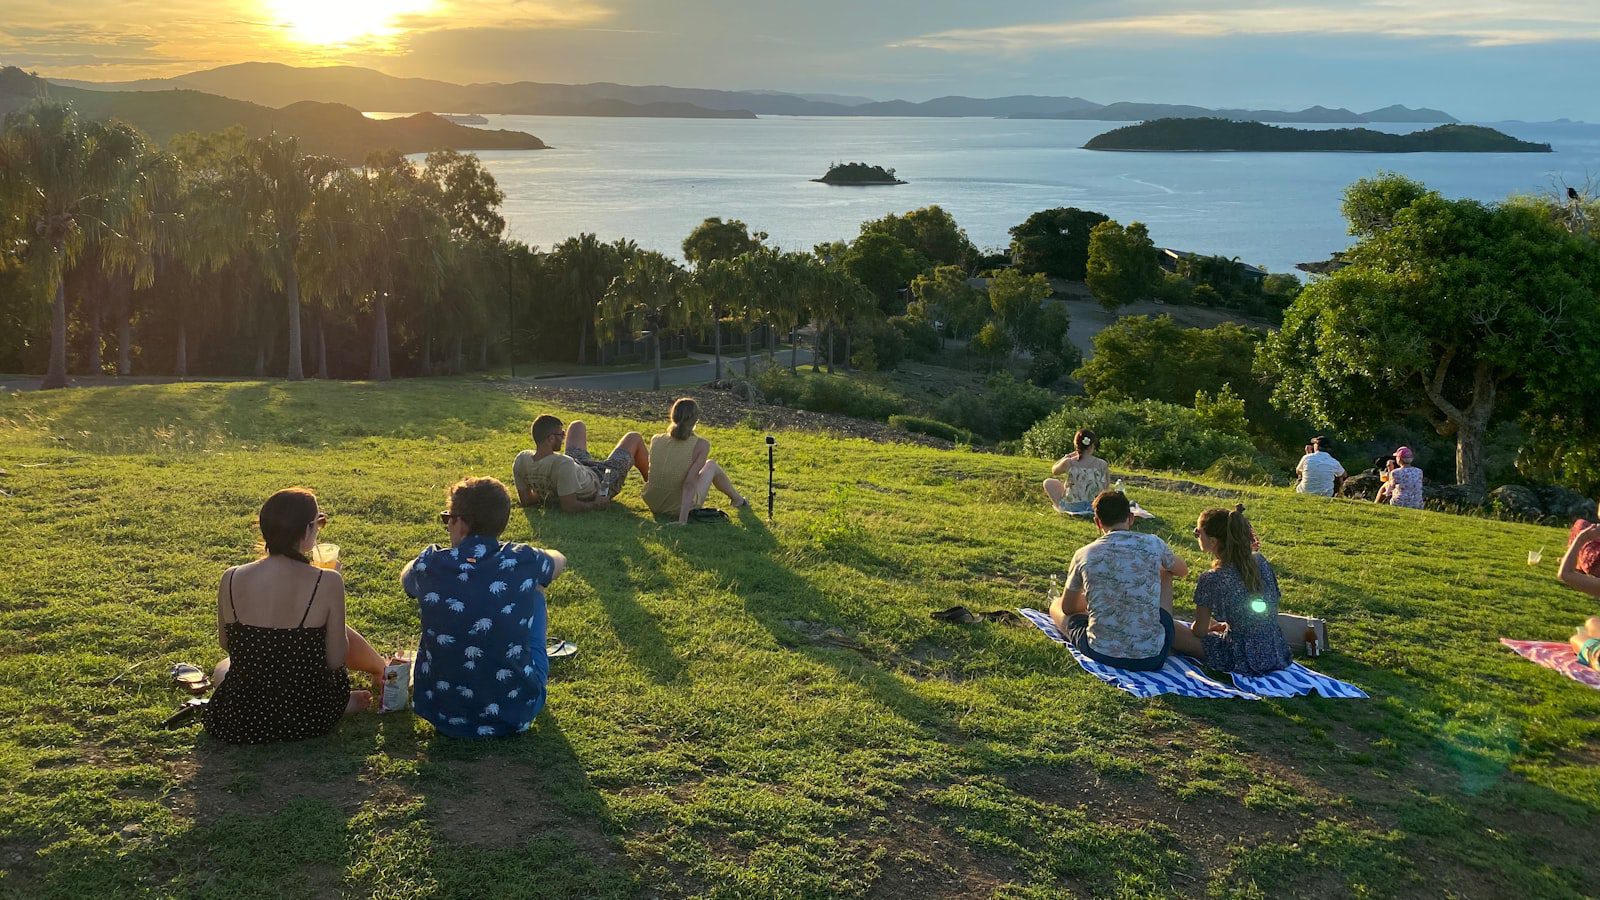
(1116, 607)
(1080, 476)
(1580, 569)
(480, 670)
(676, 468)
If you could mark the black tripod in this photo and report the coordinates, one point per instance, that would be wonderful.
(772, 492)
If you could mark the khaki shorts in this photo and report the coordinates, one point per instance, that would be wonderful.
(613, 470)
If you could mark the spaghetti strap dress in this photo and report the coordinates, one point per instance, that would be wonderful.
(279, 686)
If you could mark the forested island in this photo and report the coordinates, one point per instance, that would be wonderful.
(858, 174)
(1214, 135)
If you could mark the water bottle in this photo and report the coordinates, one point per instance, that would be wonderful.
(1119, 486)
(1055, 589)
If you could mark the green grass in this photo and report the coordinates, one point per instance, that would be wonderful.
(756, 712)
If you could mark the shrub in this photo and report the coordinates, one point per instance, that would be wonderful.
(1005, 409)
(1144, 434)
(1046, 369)
(918, 336)
(877, 345)
(1242, 470)
(932, 428)
(828, 394)
(991, 344)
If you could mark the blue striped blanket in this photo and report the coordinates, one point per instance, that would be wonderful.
(1182, 675)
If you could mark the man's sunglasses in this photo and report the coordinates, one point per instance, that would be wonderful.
(446, 517)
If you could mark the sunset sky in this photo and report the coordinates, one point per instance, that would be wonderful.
(1480, 59)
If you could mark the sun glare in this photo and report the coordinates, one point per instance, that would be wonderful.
(342, 21)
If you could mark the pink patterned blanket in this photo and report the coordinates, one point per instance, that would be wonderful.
(1553, 655)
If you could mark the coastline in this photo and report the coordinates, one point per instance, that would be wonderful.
(859, 183)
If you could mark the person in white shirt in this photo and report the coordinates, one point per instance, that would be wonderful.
(1319, 472)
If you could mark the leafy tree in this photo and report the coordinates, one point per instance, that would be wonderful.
(885, 265)
(1122, 264)
(1049, 333)
(465, 193)
(1015, 299)
(1462, 311)
(64, 181)
(930, 231)
(583, 267)
(277, 185)
(991, 344)
(944, 295)
(715, 241)
(1055, 242)
(648, 295)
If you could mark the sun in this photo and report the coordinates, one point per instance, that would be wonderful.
(327, 22)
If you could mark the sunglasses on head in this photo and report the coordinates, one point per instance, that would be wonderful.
(320, 520)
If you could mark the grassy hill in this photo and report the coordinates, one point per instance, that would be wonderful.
(756, 712)
(329, 128)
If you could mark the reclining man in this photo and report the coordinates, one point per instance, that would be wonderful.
(1116, 608)
(575, 478)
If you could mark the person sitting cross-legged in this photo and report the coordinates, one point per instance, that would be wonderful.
(482, 665)
(1236, 602)
(575, 479)
(1078, 477)
(1116, 607)
(684, 470)
(1318, 472)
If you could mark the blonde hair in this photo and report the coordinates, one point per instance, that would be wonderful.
(685, 412)
(1231, 531)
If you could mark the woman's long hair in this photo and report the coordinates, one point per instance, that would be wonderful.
(1231, 530)
(685, 412)
(1083, 440)
(284, 519)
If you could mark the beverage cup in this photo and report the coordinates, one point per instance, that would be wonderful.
(325, 556)
(1534, 556)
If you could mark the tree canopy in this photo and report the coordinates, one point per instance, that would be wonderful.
(1122, 264)
(1055, 242)
(1462, 311)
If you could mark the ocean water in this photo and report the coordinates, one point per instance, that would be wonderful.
(653, 180)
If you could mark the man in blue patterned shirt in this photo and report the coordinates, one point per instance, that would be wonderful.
(482, 665)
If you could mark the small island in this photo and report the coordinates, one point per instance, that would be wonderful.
(1224, 135)
(858, 174)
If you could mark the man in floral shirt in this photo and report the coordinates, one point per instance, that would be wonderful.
(482, 665)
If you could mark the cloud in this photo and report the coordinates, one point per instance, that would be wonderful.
(1478, 23)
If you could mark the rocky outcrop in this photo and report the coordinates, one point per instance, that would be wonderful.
(1362, 486)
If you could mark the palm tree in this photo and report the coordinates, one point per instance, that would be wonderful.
(278, 185)
(839, 298)
(718, 287)
(585, 267)
(647, 295)
(69, 182)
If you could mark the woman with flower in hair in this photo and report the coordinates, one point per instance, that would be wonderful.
(1079, 476)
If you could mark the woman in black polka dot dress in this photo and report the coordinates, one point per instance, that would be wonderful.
(281, 620)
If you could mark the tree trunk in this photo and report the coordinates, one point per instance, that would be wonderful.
(1470, 470)
(291, 294)
(261, 354)
(716, 339)
(655, 379)
(427, 355)
(848, 339)
(458, 355)
(483, 351)
(180, 366)
(94, 303)
(794, 349)
(830, 351)
(583, 341)
(748, 340)
(380, 340)
(56, 376)
(816, 350)
(322, 345)
(125, 343)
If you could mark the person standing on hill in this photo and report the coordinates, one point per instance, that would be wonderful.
(482, 665)
(1319, 472)
(684, 470)
(575, 479)
(1116, 607)
(1080, 476)
(1404, 487)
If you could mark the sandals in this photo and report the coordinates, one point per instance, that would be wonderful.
(960, 615)
(189, 712)
(191, 678)
(707, 514)
(556, 648)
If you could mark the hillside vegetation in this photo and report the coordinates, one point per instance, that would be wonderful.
(327, 128)
(756, 711)
(1223, 134)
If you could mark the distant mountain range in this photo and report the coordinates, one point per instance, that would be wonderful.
(1142, 112)
(328, 128)
(276, 85)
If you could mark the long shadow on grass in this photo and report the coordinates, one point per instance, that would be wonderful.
(613, 561)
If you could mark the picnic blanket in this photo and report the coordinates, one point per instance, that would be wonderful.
(1557, 656)
(1181, 675)
(1085, 510)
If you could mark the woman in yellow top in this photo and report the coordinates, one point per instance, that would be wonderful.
(681, 470)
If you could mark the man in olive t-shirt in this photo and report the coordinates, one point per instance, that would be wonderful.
(575, 478)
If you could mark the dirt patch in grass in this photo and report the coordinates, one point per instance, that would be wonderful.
(503, 802)
(218, 781)
(923, 861)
